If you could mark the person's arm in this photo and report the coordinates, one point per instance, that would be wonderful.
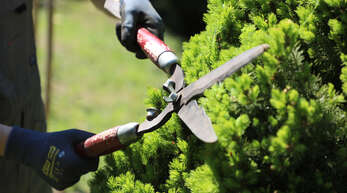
(52, 155)
(134, 15)
(100, 5)
(4, 133)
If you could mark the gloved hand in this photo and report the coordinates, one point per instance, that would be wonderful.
(51, 155)
(136, 14)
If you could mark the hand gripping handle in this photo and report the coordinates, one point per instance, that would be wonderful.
(108, 141)
(155, 49)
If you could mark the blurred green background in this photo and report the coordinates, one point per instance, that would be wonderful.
(96, 83)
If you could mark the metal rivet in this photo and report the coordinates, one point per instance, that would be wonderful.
(152, 113)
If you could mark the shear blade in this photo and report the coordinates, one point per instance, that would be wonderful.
(198, 122)
(219, 74)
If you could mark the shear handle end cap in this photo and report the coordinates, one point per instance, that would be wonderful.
(127, 133)
(166, 60)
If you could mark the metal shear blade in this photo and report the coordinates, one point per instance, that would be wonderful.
(188, 110)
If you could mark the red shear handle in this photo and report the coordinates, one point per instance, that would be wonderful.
(100, 144)
(156, 50)
(108, 141)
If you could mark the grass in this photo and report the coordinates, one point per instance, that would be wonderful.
(96, 83)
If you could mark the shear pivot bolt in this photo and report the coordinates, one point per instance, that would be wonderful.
(169, 86)
(171, 98)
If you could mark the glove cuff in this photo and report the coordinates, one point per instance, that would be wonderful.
(18, 145)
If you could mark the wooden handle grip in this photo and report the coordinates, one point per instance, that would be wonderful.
(109, 141)
(151, 44)
(154, 48)
(100, 144)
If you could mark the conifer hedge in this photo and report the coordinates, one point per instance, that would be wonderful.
(281, 121)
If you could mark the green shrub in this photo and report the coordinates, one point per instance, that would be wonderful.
(281, 121)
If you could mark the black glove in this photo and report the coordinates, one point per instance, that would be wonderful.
(51, 155)
(136, 14)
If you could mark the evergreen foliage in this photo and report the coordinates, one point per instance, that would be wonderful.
(281, 121)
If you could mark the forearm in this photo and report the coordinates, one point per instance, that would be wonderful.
(4, 133)
(100, 5)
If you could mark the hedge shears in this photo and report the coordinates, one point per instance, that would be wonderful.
(181, 98)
